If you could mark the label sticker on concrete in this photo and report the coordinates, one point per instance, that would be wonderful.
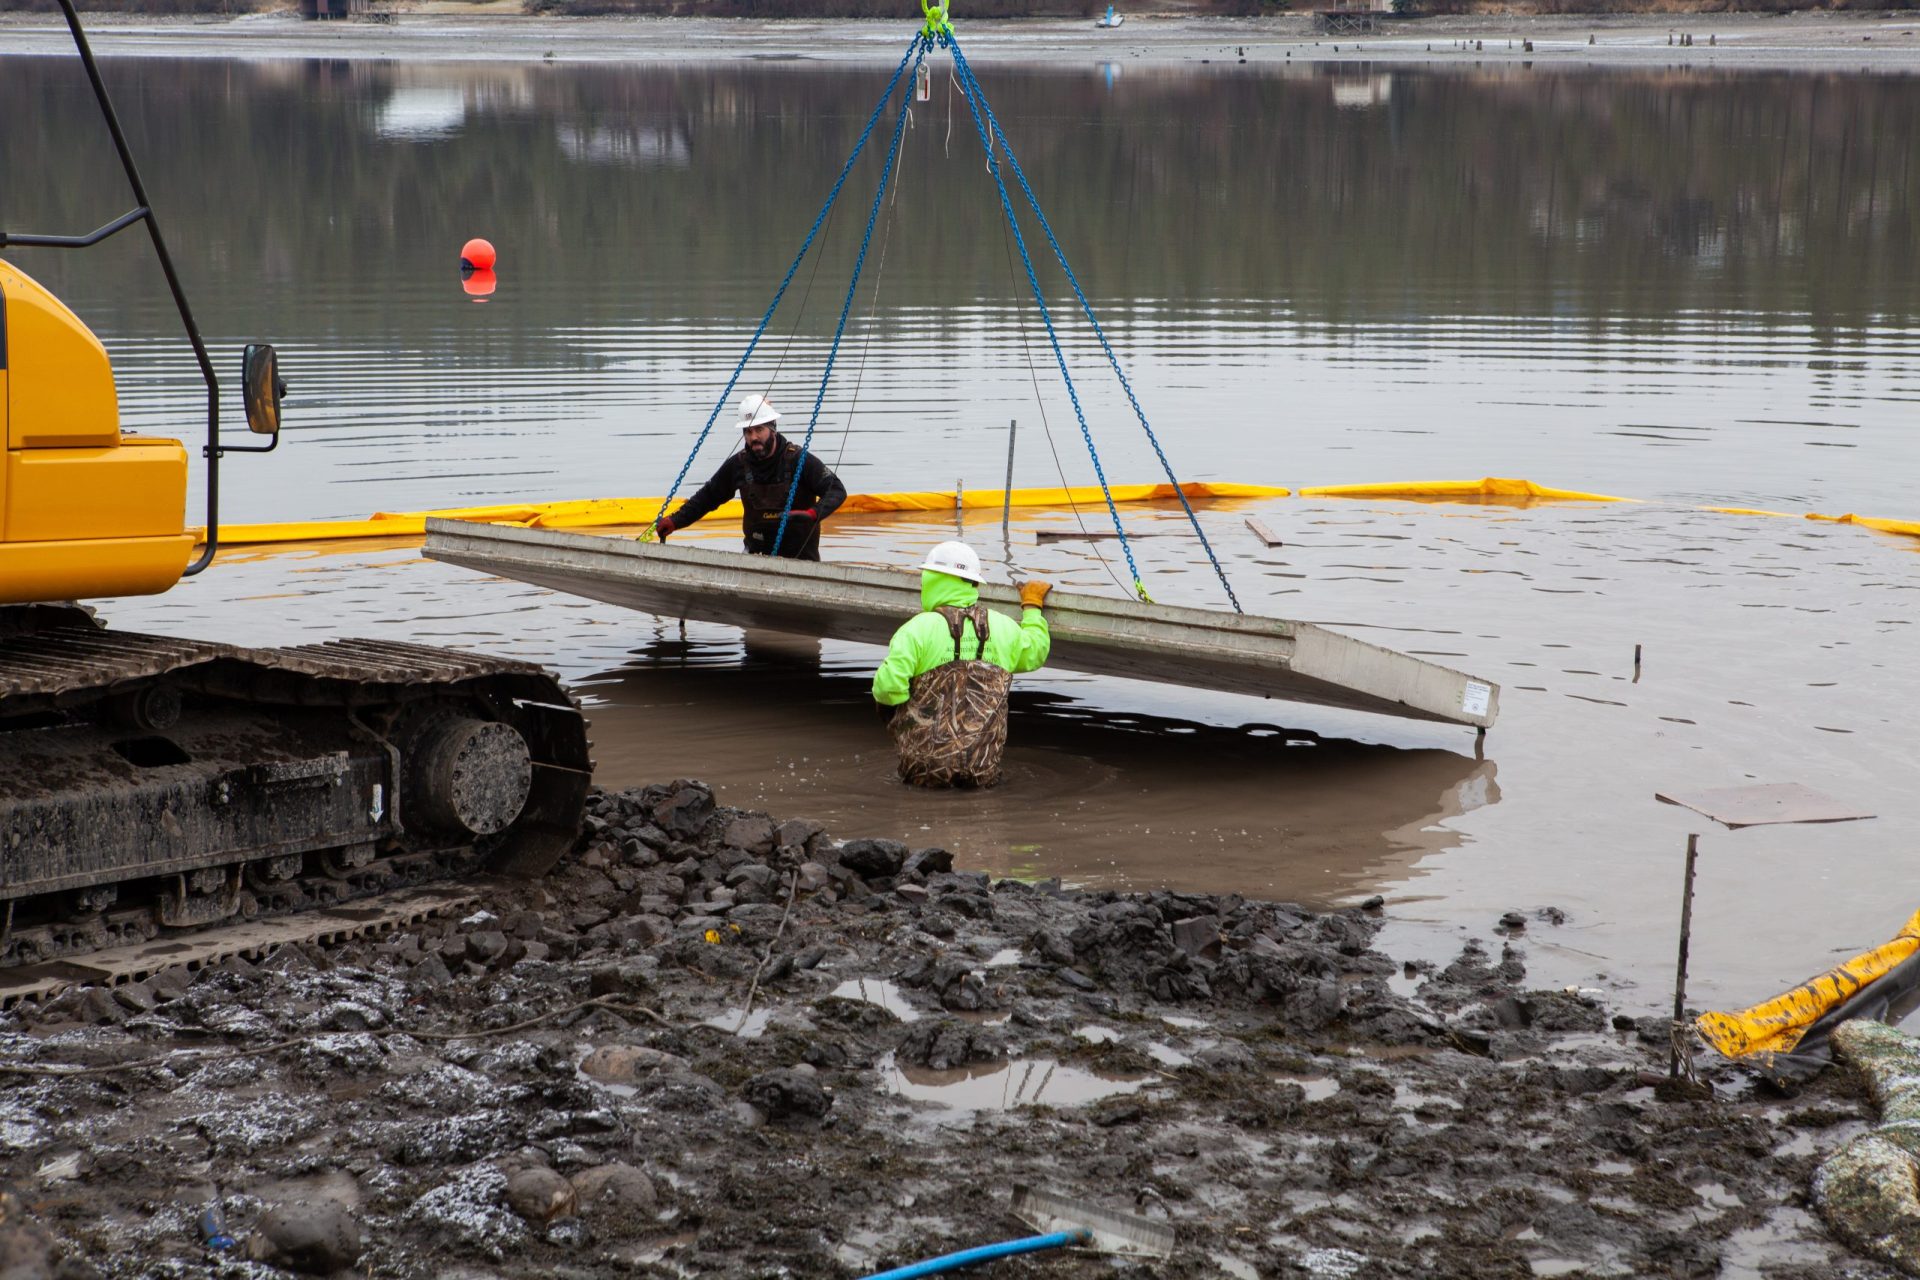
(1474, 700)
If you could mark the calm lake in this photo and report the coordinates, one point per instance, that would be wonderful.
(1689, 287)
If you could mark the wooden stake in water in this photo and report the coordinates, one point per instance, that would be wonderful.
(1686, 934)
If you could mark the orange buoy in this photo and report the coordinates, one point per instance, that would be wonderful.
(478, 284)
(477, 254)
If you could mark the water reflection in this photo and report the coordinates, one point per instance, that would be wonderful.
(1656, 282)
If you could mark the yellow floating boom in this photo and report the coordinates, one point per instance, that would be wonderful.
(1777, 1025)
(1457, 490)
(590, 513)
(1911, 528)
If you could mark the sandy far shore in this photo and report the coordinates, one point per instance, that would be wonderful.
(450, 33)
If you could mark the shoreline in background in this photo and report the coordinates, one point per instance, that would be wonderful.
(1886, 42)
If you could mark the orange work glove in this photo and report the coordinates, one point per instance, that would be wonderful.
(1033, 594)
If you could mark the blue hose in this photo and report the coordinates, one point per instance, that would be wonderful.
(986, 1253)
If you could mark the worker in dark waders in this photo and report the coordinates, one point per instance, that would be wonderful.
(762, 474)
(943, 686)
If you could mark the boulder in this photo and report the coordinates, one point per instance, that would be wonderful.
(626, 1063)
(873, 858)
(539, 1195)
(316, 1238)
(789, 1093)
(751, 832)
(618, 1192)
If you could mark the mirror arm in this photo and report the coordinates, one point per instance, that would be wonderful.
(268, 447)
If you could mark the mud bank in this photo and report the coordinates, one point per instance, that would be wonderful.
(714, 1043)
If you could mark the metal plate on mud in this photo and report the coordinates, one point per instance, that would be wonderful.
(1767, 803)
(1115, 1233)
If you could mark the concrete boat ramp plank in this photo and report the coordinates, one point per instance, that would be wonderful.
(1198, 648)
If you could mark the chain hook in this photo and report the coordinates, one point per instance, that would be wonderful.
(938, 24)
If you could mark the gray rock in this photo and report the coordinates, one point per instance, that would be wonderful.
(813, 877)
(969, 994)
(617, 1192)
(788, 1094)
(317, 1238)
(928, 862)
(799, 833)
(752, 832)
(752, 873)
(1052, 946)
(97, 1005)
(524, 925)
(873, 858)
(642, 931)
(488, 946)
(287, 960)
(171, 983)
(430, 972)
(539, 1195)
(1197, 935)
(135, 996)
(626, 1063)
(685, 810)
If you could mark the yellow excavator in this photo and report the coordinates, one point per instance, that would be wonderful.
(149, 782)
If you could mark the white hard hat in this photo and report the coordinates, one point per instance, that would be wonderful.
(956, 558)
(757, 411)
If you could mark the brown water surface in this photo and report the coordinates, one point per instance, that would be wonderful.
(1773, 650)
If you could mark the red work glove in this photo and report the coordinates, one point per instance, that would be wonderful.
(662, 527)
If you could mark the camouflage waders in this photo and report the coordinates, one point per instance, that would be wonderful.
(952, 731)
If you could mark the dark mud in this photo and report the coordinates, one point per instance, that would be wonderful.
(713, 1043)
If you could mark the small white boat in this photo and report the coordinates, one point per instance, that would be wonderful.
(1112, 19)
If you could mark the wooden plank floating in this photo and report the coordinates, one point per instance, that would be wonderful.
(1263, 533)
(1198, 648)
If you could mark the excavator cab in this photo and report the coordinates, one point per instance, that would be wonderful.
(86, 510)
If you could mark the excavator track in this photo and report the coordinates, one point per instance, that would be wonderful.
(251, 940)
(155, 787)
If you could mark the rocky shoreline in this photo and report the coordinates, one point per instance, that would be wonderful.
(717, 1043)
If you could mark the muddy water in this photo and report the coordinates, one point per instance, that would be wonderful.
(1773, 650)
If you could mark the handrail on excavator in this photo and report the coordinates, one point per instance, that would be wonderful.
(143, 212)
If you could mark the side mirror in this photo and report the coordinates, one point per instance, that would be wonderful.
(263, 388)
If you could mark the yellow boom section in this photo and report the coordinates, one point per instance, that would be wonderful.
(84, 511)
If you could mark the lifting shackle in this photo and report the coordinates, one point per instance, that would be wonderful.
(937, 22)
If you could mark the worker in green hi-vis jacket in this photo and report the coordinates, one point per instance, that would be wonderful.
(944, 684)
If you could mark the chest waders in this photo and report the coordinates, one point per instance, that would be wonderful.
(952, 732)
(761, 503)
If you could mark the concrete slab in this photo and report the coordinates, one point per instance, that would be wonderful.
(1198, 648)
